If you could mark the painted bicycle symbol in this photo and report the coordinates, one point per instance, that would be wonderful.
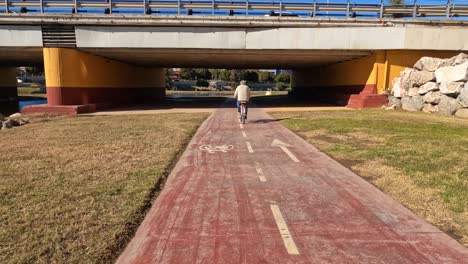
(211, 149)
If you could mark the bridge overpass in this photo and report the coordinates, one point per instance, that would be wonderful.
(94, 61)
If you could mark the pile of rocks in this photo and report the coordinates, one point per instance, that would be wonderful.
(433, 85)
(13, 120)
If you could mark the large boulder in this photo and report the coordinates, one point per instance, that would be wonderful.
(463, 97)
(406, 80)
(7, 124)
(418, 78)
(432, 97)
(393, 100)
(414, 91)
(462, 113)
(23, 121)
(429, 64)
(430, 108)
(428, 87)
(455, 60)
(410, 78)
(413, 103)
(458, 73)
(448, 105)
(2, 118)
(451, 89)
(406, 73)
(15, 116)
(398, 89)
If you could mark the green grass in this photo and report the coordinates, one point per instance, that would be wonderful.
(222, 93)
(33, 90)
(397, 150)
(73, 190)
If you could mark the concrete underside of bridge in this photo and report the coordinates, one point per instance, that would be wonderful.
(227, 58)
(83, 80)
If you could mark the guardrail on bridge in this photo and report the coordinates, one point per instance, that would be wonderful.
(424, 9)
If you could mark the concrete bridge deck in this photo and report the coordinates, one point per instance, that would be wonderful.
(227, 42)
(239, 195)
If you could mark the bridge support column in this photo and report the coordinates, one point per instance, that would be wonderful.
(359, 83)
(8, 85)
(372, 95)
(338, 83)
(78, 82)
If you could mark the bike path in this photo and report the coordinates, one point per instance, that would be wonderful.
(258, 193)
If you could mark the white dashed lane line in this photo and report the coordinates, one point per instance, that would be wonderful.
(284, 231)
(249, 147)
(261, 176)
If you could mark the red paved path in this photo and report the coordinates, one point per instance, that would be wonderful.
(215, 209)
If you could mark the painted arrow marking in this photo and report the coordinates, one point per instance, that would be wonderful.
(284, 147)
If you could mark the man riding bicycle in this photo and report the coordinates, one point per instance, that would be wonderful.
(242, 93)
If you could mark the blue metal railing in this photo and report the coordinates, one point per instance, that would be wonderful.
(422, 9)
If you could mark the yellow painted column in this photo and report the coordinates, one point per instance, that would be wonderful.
(368, 76)
(380, 71)
(77, 78)
(8, 85)
(337, 82)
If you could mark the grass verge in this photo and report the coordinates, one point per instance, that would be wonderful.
(33, 91)
(73, 190)
(222, 93)
(420, 160)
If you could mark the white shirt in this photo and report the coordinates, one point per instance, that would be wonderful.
(242, 93)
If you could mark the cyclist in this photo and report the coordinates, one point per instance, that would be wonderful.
(242, 93)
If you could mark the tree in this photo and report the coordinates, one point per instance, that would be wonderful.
(215, 74)
(265, 77)
(187, 74)
(202, 83)
(281, 86)
(234, 76)
(168, 79)
(37, 70)
(283, 78)
(225, 75)
(252, 76)
(397, 2)
(202, 74)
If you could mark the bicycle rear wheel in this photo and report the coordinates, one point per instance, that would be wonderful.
(242, 114)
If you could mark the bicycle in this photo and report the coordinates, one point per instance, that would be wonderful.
(243, 111)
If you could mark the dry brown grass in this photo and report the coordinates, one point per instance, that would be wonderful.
(420, 160)
(72, 190)
(426, 202)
